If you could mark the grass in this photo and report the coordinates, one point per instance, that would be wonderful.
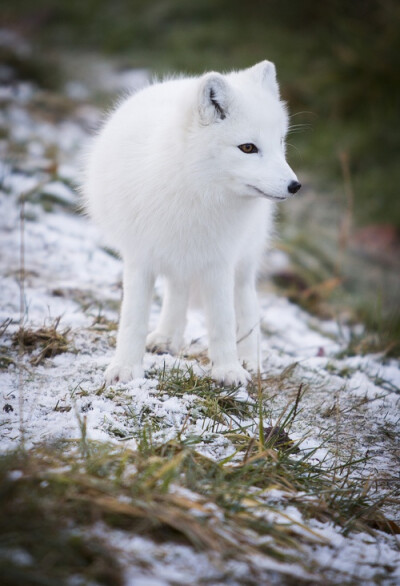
(360, 293)
(261, 459)
(41, 534)
(216, 402)
(5, 358)
(51, 498)
(44, 342)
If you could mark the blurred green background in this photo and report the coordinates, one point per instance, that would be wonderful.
(338, 64)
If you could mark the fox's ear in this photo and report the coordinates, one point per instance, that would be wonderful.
(265, 73)
(213, 101)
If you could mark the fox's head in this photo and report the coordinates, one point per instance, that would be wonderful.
(241, 124)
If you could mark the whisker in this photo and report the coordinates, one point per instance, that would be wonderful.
(293, 130)
(299, 113)
(299, 125)
(293, 146)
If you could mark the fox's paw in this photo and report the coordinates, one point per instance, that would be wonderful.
(122, 373)
(231, 374)
(160, 344)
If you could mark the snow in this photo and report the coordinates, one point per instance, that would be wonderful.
(367, 552)
(61, 192)
(163, 564)
(68, 274)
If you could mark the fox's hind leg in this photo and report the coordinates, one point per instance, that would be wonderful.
(247, 317)
(138, 288)
(168, 336)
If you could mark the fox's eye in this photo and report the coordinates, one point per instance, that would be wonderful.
(248, 148)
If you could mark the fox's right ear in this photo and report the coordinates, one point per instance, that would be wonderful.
(265, 73)
(213, 101)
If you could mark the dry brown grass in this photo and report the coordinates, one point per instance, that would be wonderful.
(44, 342)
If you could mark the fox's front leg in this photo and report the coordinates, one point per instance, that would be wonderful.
(138, 286)
(168, 335)
(247, 318)
(219, 303)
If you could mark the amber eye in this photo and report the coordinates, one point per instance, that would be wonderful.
(248, 148)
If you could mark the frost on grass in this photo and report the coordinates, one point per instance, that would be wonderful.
(292, 480)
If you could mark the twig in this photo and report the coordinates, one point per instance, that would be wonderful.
(21, 317)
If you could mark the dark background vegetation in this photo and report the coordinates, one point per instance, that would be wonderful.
(338, 63)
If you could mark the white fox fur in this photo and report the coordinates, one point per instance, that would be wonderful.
(173, 193)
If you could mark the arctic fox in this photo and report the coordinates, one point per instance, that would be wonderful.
(182, 180)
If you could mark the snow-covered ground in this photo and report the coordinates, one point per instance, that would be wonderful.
(350, 405)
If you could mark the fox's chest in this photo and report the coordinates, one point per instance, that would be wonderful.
(193, 240)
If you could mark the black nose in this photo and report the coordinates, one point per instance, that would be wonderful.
(294, 187)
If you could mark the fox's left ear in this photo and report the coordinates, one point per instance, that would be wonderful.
(214, 98)
(265, 73)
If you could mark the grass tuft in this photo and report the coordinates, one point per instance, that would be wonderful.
(45, 342)
(51, 499)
